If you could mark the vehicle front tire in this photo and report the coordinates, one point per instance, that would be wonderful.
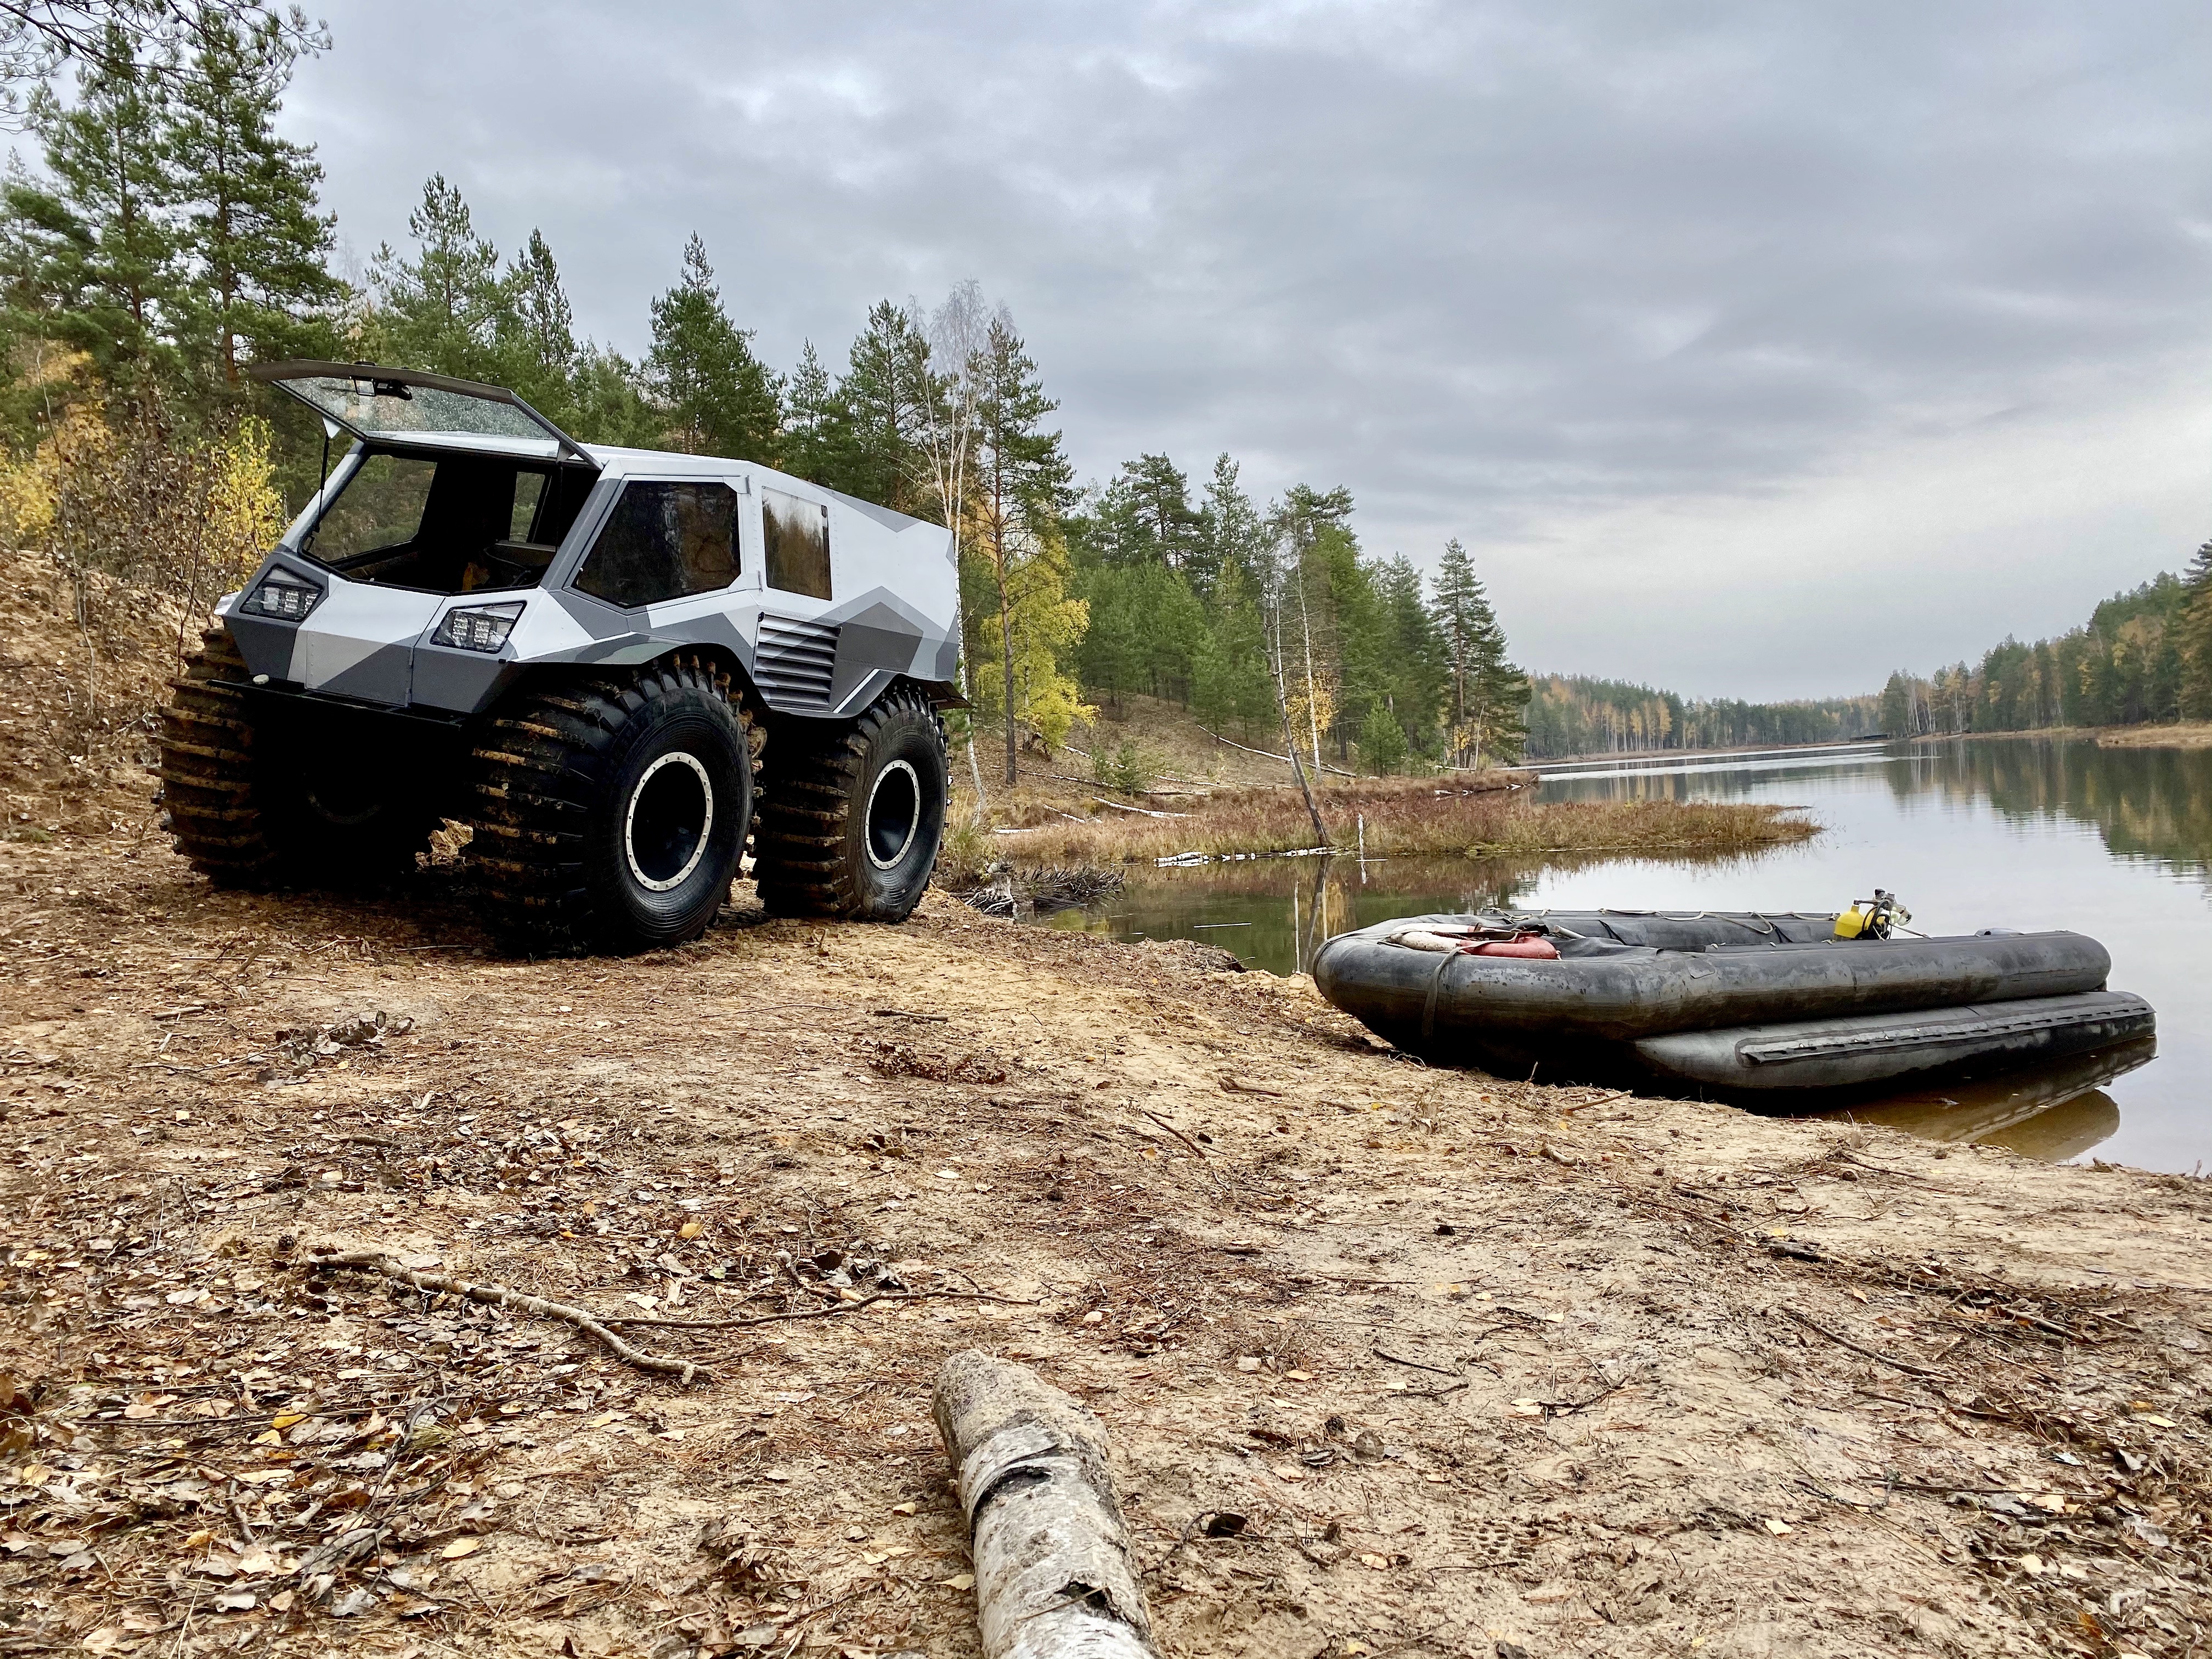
(255, 799)
(850, 824)
(610, 813)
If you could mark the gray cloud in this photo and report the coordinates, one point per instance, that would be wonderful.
(1681, 319)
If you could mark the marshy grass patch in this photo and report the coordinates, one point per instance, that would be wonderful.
(1390, 817)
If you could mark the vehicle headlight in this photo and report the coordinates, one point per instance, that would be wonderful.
(477, 627)
(284, 595)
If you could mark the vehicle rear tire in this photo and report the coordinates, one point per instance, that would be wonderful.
(609, 813)
(849, 827)
(252, 800)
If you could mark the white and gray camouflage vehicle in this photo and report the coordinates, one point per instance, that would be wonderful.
(616, 665)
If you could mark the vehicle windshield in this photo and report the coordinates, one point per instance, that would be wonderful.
(377, 407)
(448, 524)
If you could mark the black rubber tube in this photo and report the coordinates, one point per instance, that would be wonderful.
(1583, 1014)
(1851, 1053)
(1638, 991)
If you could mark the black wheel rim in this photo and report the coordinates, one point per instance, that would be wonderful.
(670, 815)
(894, 814)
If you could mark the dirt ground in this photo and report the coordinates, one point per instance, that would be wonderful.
(1394, 1360)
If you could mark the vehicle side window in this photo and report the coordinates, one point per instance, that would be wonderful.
(381, 509)
(797, 534)
(529, 490)
(662, 542)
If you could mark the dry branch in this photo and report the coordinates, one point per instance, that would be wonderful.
(1265, 755)
(1176, 1132)
(834, 1308)
(325, 1257)
(1843, 1341)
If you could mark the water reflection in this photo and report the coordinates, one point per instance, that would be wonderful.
(2023, 833)
(2054, 1113)
(2152, 804)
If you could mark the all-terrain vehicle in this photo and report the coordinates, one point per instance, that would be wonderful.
(616, 665)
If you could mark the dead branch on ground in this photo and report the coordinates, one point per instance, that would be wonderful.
(325, 1257)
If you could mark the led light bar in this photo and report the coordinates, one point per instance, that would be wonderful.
(478, 628)
(284, 595)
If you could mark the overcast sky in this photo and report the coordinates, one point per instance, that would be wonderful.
(1754, 350)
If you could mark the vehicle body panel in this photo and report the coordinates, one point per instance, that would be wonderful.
(893, 613)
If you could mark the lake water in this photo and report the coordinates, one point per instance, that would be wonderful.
(1993, 832)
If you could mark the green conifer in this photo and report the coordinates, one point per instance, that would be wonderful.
(258, 244)
(100, 243)
(717, 396)
(441, 310)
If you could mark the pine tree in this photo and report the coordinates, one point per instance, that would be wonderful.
(2193, 624)
(38, 39)
(811, 425)
(1383, 746)
(1021, 481)
(441, 310)
(1234, 535)
(535, 334)
(101, 242)
(873, 444)
(1158, 497)
(1414, 671)
(1489, 696)
(1461, 605)
(717, 397)
(257, 245)
(1229, 670)
(608, 403)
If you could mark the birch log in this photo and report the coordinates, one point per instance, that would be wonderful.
(1054, 1575)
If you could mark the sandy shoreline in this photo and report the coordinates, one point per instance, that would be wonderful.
(1475, 1361)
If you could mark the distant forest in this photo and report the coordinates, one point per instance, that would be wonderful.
(2143, 657)
(1575, 715)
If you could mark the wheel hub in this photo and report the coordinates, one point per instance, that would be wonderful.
(670, 814)
(894, 814)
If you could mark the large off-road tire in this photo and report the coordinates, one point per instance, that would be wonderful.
(609, 813)
(850, 824)
(254, 799)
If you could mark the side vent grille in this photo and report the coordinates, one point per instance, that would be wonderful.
(794, 663)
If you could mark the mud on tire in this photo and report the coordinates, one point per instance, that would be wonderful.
(849, 826)
(608, 812)
(250, 804)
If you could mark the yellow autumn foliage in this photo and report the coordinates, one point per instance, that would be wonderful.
(244, 514)
(176, 514)
(1046, 625)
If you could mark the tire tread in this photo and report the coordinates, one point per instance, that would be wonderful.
(804, 818)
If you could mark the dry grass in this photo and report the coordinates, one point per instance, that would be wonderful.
(1401, 820)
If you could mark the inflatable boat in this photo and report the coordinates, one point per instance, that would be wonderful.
(1741, 1003)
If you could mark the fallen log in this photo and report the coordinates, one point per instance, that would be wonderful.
(1053, 1574)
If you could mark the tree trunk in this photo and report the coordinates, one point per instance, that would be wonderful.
(975, 771)
(1055, 1578)
(1313, 717)
(1290, 737)
(1007, 654)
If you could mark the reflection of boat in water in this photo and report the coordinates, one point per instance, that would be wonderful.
(1735, 1003)
(2066, 1131)
(2054, 1113)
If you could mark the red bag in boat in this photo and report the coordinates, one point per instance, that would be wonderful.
(1528, 946)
